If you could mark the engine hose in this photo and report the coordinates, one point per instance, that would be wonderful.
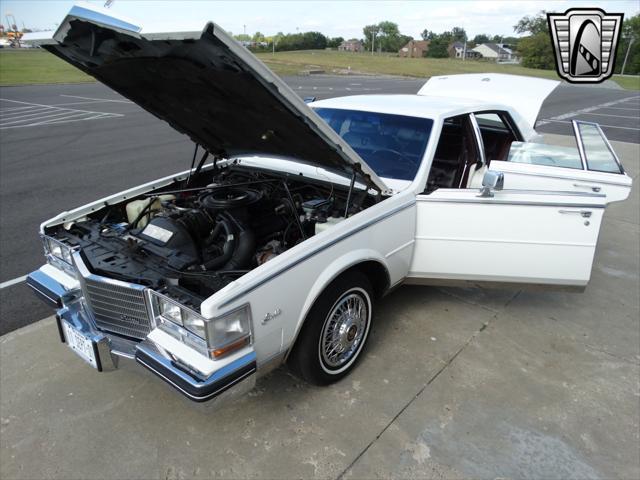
(245, 248)
(243, 252)
(228, 248)
(214, 234)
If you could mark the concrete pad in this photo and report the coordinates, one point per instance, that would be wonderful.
(128, 424)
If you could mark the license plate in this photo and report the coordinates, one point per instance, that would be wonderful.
(83, 346)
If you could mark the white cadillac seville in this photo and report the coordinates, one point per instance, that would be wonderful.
(294, 218)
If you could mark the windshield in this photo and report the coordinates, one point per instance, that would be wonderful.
(392, 145)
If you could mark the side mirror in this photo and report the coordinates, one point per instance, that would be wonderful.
(492, 180)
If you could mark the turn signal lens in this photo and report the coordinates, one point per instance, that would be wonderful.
(219, 352)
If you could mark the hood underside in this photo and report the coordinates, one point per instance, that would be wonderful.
(210, 88)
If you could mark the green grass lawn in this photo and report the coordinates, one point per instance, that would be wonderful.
(19, 67)
(289, 63)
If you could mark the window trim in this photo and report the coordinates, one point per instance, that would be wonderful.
(583, 154)
(507, 120)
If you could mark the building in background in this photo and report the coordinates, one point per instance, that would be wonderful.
(414, 49)
(496, 51)
(353, 45)
(457, 50)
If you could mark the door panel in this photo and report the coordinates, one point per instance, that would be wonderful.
(526, 176)
(513, 237)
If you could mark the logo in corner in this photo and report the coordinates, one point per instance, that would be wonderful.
(585, 42)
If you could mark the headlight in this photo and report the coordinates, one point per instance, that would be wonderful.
(173, 311)
(59, 254)
(212, 337)
(229, 332)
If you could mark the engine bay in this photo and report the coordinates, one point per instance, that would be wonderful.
(190, 239)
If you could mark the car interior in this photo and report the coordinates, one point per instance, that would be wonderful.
(496, 135)
(457, 161)
(456, 155)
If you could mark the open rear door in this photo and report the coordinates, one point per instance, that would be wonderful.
(521, 237)
(590, 167)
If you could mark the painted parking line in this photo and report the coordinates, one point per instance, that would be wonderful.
(623, 108)
(616, 116)
(575, 113)
(28, 114)
(92, 99)
(12, 282)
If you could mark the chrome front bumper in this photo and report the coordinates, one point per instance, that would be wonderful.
(59, 290)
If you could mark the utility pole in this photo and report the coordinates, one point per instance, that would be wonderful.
(464, 48)
(245, 29)
(626, 55)
(373, 41)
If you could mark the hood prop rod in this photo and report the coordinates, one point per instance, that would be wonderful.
(351, 186)
(293, 205)
(193, 162)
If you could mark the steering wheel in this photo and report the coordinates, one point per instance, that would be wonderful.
(396, 167)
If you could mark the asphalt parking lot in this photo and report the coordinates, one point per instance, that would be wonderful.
(65, 145)
(455, 383)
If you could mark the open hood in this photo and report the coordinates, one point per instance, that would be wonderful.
(208, 87)
(523, 94)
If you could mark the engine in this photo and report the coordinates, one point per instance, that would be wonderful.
(191, 242)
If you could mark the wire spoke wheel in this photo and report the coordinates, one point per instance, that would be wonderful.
(344, 330)
(335, 331)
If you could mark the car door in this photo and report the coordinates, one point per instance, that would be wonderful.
(513, 236)
(592, 167)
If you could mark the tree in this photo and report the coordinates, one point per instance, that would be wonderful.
(438, 48)
(536, 49)
(533, 24)
(427, 34)
(258, 37)
(385, 36)
(369, 32)
(458, 34)
(630, 33)
(242, 37)
(302, 41)
(334, 42)
(481, 38)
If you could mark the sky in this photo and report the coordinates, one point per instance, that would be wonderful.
(332, 18)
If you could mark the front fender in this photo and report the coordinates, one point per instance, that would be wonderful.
(337, 267)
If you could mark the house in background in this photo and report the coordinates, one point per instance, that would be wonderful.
(457, 50)
(495, 51)
(353, 45)
(414, 49)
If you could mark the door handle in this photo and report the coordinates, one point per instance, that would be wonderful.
(593, 189)
(582, 213)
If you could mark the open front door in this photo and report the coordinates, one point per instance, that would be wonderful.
(513, 236)
(591, 167)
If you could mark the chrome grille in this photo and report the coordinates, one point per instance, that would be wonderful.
(117, 307)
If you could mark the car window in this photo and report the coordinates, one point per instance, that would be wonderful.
(598, 154)
(496, 135)
(547, 155)
(491, 120)
(392, 145)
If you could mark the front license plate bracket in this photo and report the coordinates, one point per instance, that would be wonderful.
(82, 345)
